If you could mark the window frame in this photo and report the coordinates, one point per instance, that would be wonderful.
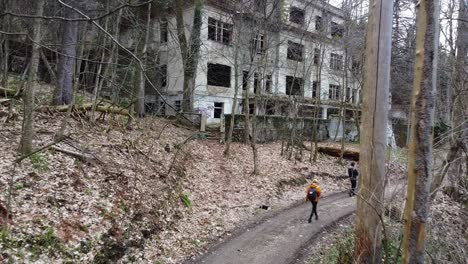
(294, 86)
(336, 61)
(334, 92)
(217, 30)
(210, 79)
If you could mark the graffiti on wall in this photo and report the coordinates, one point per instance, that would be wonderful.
(206, 110)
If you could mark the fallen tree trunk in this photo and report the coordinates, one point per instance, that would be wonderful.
(83, 157)
(4, 92)
(336, 152)
(85, 108)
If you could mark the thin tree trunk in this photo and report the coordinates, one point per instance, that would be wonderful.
(53, 76)
(422, 119)
(27, 127)
(368, 231)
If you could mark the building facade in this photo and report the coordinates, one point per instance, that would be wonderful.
(288, 54)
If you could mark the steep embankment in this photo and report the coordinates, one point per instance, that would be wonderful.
(137, 194)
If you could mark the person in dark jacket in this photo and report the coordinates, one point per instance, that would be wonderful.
(312, 195)
(353, 173)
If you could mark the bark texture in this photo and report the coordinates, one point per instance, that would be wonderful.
(64, 91)
(422, 119)
(373, 133)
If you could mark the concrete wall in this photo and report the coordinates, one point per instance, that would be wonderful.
(271, 128)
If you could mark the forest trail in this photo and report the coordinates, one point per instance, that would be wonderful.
(280, 238)
(277, 240)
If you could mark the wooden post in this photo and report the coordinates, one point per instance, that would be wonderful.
(373, 133)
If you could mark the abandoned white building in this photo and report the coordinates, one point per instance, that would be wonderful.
(284, 52)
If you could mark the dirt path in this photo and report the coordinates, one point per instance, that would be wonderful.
(282, 238)
(279, 238)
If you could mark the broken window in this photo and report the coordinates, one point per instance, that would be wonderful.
(218, 109)
(219, 75)
(245, 80)
(296, 15)
(177, 105)
(258, 44)
(337, 30)
(315, 86)
(334, 92)
(162, 76)
(219, 31)
(256, 83)
(163, 32)
(336, 61)
(270, 108)
(316, 56)
(293, 85)
(295, 51)
(268, 84)
(318, 23)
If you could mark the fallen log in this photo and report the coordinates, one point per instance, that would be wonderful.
(4, 92)
(86, 108)
(336, 152)
(83, 157)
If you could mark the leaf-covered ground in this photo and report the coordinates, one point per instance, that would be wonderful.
(142, 194)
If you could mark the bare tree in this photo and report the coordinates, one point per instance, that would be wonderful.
(189, 50)
(373, 132)
(28, 97)
(422, 119)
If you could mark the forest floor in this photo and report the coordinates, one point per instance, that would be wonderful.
(152, 192)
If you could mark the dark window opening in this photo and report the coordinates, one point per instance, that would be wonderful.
(295, 51)
(268, 84)
(315, 87)
(316, 56)
(318, 23)
(256, 83)
(245, 80)
(219, 31)
(163, 31)
(218, 109)
(355, 66)
(251, 108)
(336, 61)
(219, 75)
(334, 92)
(162, 75)
(293, 85)
(337, 30)
(270, 108)
(296, 15)
(177, 105)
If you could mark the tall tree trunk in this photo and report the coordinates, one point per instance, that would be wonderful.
(66, 67)
(140, 100)
(28, 97)
(4, 46)
(422, 119)
(376, 84)
(189, 51)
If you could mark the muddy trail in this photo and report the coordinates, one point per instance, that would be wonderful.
(283, 237)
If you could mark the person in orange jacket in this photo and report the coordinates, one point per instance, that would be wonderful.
(312, 195)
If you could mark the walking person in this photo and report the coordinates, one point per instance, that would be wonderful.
(353, 173)
(312, 195)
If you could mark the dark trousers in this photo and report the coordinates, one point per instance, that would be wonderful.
(353, 186)
(314, 211)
